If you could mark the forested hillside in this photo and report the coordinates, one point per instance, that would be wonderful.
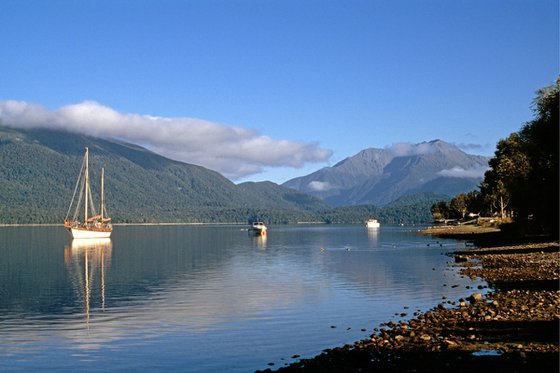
(39, 167)
(38, 171)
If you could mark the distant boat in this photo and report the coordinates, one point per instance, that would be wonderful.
(96, 225)
(372, 223)
(258, 228)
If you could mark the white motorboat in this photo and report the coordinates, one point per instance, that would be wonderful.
(258, 228)
(372, 223)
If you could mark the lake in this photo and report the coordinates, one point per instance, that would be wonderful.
(209, 298)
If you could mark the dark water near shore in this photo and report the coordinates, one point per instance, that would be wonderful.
(209, 298)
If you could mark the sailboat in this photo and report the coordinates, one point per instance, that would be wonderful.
(96, 225)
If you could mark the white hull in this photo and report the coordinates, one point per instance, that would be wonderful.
(86, 233)
(258, 229)
(372, 223)
(91, 243)
(257, 232)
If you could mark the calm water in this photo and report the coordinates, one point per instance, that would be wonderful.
(207, 298)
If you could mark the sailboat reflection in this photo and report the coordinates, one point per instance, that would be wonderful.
(84, 258)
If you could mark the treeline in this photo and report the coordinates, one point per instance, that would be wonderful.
(522, 184)
(38, 169)
(410, 210)
(407, 210)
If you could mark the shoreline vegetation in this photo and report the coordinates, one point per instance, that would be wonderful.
(512, 328)
(121, 224)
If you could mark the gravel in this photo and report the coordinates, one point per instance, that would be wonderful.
(514, 328)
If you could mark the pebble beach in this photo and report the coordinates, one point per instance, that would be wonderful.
(514, 327)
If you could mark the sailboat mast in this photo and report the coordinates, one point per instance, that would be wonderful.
(86, 188)
(102, 193)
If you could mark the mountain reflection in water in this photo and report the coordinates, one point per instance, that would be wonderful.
(208, 298)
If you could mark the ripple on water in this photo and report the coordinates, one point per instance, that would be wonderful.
(212, 299)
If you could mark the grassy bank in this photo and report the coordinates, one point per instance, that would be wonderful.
(458, 231)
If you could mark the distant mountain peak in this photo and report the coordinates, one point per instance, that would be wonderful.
(379, 176)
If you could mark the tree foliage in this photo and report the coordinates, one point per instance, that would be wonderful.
(522, 182)
(458, 206)
(506, 179)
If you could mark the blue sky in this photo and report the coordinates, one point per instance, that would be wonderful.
(271, 90)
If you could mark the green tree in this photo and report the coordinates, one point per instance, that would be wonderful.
(509, 169)
(458, 205)
(474, 202)
(540, 137)
(440, 210)
(522, 181)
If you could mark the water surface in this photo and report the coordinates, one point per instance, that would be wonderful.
(209, 298)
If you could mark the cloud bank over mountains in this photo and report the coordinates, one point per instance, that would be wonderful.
(459, 172)
(235, 152)
(404, 149)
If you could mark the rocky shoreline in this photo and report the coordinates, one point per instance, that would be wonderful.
(514, 328)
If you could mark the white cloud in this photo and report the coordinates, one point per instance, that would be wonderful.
(462, 173)
(472, 147)
(233, 151)
(407, 149)
(319, 186)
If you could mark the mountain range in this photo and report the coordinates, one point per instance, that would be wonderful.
(39, 167)
(380, 176)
